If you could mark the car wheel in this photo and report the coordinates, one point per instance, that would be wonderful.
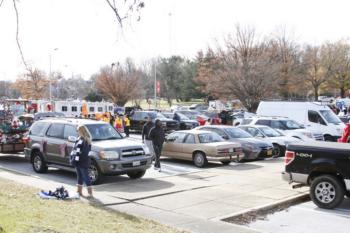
(95, 174)
(38, 162)
(199, 159)
(327, 192)
(225, 162)
(328, 138)
(136, 175)
(277, 151)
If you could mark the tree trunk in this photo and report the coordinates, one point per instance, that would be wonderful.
(316, 93)
(342, 92)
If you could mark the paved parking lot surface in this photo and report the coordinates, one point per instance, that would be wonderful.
(307, 218)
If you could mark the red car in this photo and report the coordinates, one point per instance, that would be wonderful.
(346, 134)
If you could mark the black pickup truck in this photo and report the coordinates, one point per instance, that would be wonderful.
(324, 166)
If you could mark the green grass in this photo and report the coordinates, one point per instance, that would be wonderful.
(163, 104)
(22, 211)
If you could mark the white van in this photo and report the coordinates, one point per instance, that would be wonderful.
(315, 117)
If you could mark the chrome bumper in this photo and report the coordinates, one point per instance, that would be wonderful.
(295, 177)
(221, 158)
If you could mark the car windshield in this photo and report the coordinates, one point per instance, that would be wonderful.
(269, 132)
(290, 125)
(168, 115)
(182, 116)
(161, 116)
(330, 117)
(209, 138)
(103, 132)
(237, 133)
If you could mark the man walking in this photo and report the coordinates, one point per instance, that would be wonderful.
(145, 134)
(157, 136)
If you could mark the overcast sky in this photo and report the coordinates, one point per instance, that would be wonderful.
(87, 36)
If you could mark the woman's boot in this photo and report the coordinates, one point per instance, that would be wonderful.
(90, 192)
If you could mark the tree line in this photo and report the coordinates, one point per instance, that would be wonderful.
(244, 65)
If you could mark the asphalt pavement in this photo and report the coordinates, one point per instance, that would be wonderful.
(307, 218)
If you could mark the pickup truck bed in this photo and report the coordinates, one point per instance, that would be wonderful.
(324, 166)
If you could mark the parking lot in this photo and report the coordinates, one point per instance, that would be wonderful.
(196, 199)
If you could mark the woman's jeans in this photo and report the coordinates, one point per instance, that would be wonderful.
(83, 176)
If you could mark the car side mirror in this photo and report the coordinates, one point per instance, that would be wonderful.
(72, 139)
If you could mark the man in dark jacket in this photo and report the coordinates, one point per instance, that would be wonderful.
(157, 136)
(145, 134)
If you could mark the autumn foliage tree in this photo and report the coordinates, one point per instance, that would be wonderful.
(33, 85)
(119, 83)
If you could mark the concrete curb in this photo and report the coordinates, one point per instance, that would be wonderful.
(290, 200)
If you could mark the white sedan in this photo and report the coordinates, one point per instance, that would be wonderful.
(278, 139)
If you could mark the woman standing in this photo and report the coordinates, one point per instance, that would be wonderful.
(82, 160)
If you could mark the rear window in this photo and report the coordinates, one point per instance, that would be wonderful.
(246, 121)
(263, 122)
(38, 128)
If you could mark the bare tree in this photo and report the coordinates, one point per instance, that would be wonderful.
(119, 83)
(33, 85)
(249, 68)
(318, 62)
(288, 52)
(340, 77)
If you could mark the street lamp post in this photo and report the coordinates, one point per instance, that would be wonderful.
(50, 74)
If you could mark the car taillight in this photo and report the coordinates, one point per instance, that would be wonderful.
(26, 140)
(289, 157)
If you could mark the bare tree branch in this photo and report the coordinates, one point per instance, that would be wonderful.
(114, 8)
(1, 2)
(17, 37)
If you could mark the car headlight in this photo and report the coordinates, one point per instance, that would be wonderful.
(307, 134)
(109, 155)
(146, 150)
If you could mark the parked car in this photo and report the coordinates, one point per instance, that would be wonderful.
(214, 117)
(201, 147)
(324, 166)
(184, 121)
(50, 142)
(199, 107)
(317, 118)
(286, 125)
(43, 115)
(278, 139)
(138, 119)
(195, 115)
(239, 116)
(253, 148)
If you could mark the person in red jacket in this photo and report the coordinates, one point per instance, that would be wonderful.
(346, 134)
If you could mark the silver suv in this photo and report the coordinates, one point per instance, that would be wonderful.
(50, 142)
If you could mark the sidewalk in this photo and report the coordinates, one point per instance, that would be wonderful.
(194, 201)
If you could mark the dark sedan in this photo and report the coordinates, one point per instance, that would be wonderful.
(253, 148)
(184, 121)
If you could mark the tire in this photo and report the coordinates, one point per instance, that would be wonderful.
(136, 175)
(225, 162)
(327, 192)
(328, 138)
(95, 173)
(38, 162)
(199, 159)
(277, 151)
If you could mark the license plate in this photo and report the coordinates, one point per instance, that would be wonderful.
(136, 163)
(269, 152)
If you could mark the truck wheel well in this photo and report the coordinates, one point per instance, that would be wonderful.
(32, 153)
(315, 174)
